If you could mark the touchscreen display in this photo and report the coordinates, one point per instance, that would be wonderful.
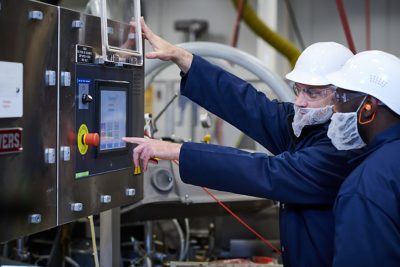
(113, 121)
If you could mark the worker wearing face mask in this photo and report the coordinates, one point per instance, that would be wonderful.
(307, 170)
(367, 209)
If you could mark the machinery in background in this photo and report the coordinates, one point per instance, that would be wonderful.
(71, 87)
(171, 205)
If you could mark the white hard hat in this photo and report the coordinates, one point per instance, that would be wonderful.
(317, 61)
(375, 73)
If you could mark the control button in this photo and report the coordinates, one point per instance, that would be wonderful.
(137, 170)
(86, 98)
(91, 139)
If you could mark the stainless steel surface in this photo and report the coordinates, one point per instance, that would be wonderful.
(89, 190)
(28, 184)
(39, 186)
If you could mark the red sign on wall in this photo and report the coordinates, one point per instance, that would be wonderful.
(10, 140)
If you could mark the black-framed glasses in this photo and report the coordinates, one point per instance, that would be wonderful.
(313, 93)
(343, 96)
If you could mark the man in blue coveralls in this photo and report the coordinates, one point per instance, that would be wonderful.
(307, 171)
(367, 209)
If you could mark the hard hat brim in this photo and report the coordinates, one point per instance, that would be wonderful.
(306, 78)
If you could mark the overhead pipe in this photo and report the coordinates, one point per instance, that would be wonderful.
(234, 55)
(346, 26)
(284, 46)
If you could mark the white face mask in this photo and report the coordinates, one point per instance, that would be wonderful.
(309, 116)
(343, 131)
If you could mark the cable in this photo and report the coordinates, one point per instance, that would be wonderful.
(187, 229)
(181, 239)
(94, 245)
(264, 240)
(295, 25)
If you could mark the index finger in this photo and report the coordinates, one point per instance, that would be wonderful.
(134, 140)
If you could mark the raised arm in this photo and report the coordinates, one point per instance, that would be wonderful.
(227, 96)
(239, 103)
(164, 50)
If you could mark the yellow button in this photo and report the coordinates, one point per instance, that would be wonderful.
(137, 171)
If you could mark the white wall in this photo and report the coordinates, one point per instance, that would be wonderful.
(319, 21)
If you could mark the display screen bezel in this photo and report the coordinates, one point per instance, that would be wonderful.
(118, 86)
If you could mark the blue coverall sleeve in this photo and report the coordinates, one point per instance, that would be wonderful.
(239, 103)
(364, 234)
(311, 175)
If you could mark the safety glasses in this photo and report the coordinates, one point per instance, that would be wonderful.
(343, 96)
(313, 93)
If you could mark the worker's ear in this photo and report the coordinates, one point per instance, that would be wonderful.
(368, 110)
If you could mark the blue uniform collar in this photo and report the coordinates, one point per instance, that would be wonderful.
(387, 136)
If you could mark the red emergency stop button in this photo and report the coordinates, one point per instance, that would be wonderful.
(91, 139)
